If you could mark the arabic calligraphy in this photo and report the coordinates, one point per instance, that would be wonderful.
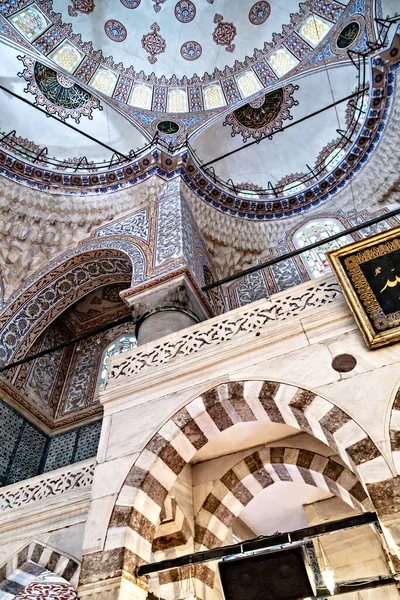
(390, 283)
(59, 90)
(257, 117)
(348, 35)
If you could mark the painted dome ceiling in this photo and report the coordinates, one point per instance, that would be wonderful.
(258, 104)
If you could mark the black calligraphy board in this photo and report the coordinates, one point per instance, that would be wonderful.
(374, 274)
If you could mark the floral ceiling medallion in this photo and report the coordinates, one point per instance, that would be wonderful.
(191, 50)
(185, 11)
(60, 95)
(264, 115)
(259, 13)
(224, 33)
(83, 6)
(115, 31)
(153, 43)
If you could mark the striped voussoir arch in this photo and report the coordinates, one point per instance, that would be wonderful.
(136, 514)
(257, 471)
(261, 469)
(22, 569)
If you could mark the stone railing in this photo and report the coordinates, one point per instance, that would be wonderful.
(253, 318)
(48, 485)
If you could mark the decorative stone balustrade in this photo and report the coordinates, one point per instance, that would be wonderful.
(42, 487)
(254, 318)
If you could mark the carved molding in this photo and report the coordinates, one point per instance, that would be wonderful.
(221, 329)
(48, 485)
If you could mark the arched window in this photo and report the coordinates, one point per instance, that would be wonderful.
(125, 343)
(334, 158)
(282, 61)
(177, 101)
(314, 29)
(30, 22)
(104, 81)
(213, 97)
(67, 56)
(315, 260)
(141, 96)
(248, 84)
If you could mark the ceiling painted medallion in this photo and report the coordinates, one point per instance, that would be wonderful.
(259, 13)
(153, 43)
(82, 6)
(59, 94)
(224, 33)
(131, 3)
(191, 50)
(185, 11)
(264, 115)
(115, 31)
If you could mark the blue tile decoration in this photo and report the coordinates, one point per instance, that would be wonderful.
(10, 430)
(25, 451)
(88, 441)
(28, 455)
(60, 451)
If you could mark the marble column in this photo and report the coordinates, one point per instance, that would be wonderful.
(163, 321)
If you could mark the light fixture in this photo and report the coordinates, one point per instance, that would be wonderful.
(327, 573)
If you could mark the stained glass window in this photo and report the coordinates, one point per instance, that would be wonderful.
(334, 158)
(104, 81)
(67, 56)
(213, 97)
(177, 101)
(124, 344)
(30, 22)
(314, 29)
(141, 96)
(248, 84)
(291, 189)
(282, 61)
(315, 260)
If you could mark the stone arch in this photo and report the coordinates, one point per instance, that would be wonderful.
(60, 284)
(139, 503)
(261, 469)
(31, 562)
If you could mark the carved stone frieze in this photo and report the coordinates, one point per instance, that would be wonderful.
(47, 485)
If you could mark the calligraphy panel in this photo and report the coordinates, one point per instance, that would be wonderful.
(369, 273)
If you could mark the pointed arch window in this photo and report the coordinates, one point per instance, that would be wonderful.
(315, 260)
(282, 61)
(177, 101)
(104, 81)
(67, 56)
(141, 96)
(30, 22)
(248, 84)
(314, 29)
(213, 97)
(123, 344)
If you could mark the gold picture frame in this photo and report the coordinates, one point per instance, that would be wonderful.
(368, 272)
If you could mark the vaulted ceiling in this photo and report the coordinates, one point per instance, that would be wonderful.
(217, 73)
